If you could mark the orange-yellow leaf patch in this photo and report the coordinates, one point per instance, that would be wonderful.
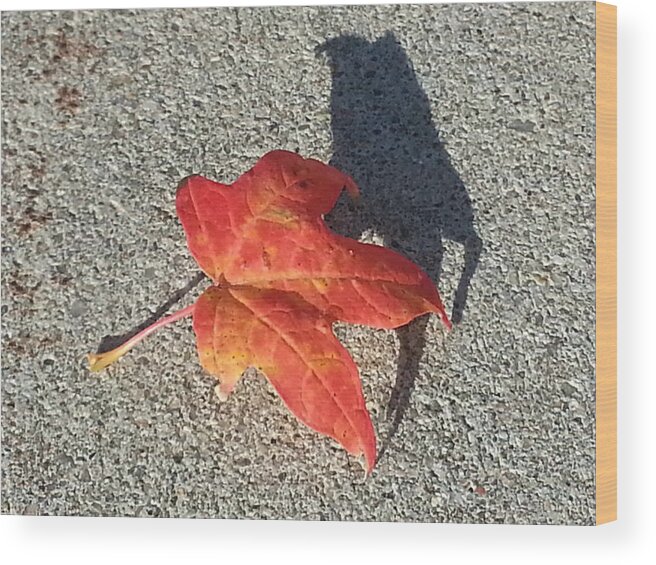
(293, 345)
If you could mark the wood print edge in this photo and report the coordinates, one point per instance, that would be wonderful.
(606, 263)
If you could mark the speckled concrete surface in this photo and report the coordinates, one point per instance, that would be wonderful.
(471, 132)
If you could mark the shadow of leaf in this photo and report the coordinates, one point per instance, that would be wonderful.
(412, 196)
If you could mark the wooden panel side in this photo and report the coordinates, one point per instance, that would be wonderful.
(606, 173)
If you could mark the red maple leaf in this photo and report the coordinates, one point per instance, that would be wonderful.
(281, 278)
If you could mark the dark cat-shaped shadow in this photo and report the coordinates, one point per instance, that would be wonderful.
(412, 197)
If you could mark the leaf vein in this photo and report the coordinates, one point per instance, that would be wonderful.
(300, 355)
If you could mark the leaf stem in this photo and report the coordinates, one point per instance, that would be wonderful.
(99, 361)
